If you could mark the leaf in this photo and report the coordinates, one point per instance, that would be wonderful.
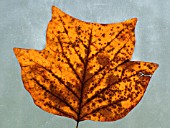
(85, 72)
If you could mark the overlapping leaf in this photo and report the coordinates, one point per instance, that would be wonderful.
(84, 71)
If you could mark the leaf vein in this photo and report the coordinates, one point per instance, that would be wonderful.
(102, 90)
(104, 67)
(66, 31)
(108, 43)
(103, 107)
(61, 111)
(69, 63)
(59, 79)
(56, 96)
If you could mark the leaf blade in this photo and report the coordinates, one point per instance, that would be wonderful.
(85, 72)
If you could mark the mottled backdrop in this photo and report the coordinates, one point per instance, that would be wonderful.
(23, 24)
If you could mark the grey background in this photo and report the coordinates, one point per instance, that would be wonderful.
(23, 24)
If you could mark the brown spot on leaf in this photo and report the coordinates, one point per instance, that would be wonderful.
(103, 59)
(111, 79)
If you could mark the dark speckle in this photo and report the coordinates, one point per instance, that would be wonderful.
(93, 104)
(78, 28)
(149, 66)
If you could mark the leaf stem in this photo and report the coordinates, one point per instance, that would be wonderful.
(77, 124)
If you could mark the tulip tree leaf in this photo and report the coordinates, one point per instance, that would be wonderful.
(85, 72)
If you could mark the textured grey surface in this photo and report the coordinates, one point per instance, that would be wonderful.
(23, 24)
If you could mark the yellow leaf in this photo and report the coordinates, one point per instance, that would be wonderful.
(85, 72)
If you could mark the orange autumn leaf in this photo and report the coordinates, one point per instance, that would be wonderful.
(85, 72)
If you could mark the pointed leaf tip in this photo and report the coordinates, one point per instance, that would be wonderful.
(16, 51)
(134, 21)
(19, 51)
